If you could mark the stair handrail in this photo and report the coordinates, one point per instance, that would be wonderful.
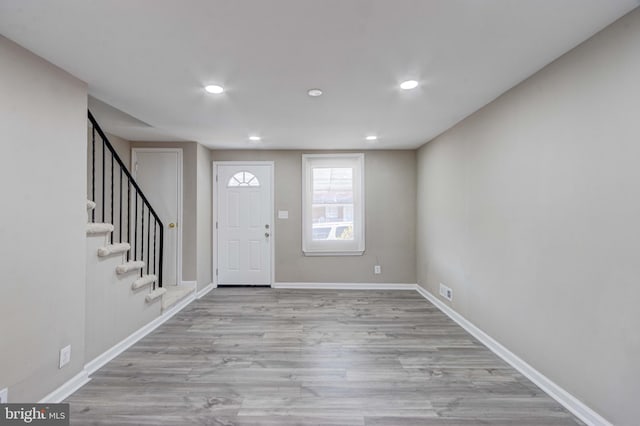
(131, 180)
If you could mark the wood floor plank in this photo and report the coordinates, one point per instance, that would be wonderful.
(257, 356)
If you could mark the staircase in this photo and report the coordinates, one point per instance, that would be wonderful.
(135, 267)
(132, 232)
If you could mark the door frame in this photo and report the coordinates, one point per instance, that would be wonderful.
(214, 214)
(134, 170)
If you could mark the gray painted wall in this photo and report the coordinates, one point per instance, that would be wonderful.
(113, 310)
(390, 204)
(43, 116)
(122, 147)
(530, 210)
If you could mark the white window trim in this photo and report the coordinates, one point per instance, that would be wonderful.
(356, 247)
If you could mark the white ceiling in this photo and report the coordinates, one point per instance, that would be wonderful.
(149, 60)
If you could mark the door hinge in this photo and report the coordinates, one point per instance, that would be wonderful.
(216, 272)
(216, 178)
(216, 225)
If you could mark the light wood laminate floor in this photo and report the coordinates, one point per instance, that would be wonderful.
(258, 356)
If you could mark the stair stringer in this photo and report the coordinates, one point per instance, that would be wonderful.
(113, 310)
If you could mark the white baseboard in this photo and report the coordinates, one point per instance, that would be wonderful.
(95, 364)
(69, 387)
(346, 286)
(568, 401)
(191, 283)
(205, 290)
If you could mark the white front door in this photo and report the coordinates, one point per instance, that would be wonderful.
(244, 214)
(158, 172)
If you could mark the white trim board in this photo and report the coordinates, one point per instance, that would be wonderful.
(67, 388)
(568, 401)
(346, 286)
(205, 290)
(99, 361)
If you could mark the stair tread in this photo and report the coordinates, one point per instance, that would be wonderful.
(99, 228)
(134, 262)
(90, 205)
(155, 294)
(129, 266)
(144, 281)
(116, 248)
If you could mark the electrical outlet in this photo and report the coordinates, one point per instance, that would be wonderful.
(446, 292)
(4, 396)
(377, 270)
(65, 356)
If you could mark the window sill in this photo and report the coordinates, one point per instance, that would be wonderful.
(333, 253)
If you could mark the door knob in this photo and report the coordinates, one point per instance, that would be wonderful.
(172, 225)
(266, 234)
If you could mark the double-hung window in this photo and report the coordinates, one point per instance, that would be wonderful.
(333, 204)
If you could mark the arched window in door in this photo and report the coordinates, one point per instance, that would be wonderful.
(243, 179)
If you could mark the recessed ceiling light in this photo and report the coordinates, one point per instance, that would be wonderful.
(409, 84)
(215, 89)
(371, 138)
(314, 92)
(255, 138)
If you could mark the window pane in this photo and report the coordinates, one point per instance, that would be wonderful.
(243, 179)
(344, 232)
(320, 232)
(332, 203)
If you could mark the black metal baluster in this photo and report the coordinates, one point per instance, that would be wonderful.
(142, 239)
(135, 230)
(128, 216)
(148, 239)
(161, 255)
(155, 226)
(103, 147)
(93, 171)
(112, 196)
(120, 220)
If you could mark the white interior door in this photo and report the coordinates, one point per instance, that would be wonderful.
(244, 215)
(158, 172)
